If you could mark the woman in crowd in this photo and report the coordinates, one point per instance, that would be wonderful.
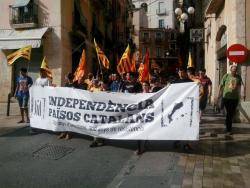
(69, 83)
(96, 87)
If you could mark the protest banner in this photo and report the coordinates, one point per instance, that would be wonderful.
(170, 114)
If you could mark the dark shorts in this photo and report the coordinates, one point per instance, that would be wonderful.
(23, 101)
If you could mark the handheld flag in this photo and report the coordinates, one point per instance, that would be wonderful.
(101, 56)
(144, 68)
(24, 52)
(190, 61)
(133, 62)
(125, 64)
(45, 67)
(80, 71)
(180, 62)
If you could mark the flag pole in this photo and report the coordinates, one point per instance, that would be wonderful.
(100, 65)
(98, 59)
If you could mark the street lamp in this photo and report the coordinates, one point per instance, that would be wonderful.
(183, 16)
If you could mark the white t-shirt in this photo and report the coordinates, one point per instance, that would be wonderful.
(42, 82)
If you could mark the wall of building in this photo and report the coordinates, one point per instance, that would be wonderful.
(153, 18)
(210, 53)
(245, 69)
(248, 46)
(6, 71)
(235, 17)
(57, 15)
(139, 21)
(56, 45)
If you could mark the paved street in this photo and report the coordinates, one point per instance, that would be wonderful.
(44, 161)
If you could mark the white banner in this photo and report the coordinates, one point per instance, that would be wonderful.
(170, 114)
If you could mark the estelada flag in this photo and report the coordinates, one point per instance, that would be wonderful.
(144, 68)
(45, 67)
(125, 64)
(101, 56)
(190, 61)
(24, 52)
(80, 71)
(133, 62)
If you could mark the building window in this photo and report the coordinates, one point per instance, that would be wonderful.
(158, 36)
(144, 50)
(145, 36)
(27, 14)
(173, 36)
(161, 7)
(144, 6)
(158, 52)
(161, 23)
(172, 46)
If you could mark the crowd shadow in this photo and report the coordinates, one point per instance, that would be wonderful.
(219, 145)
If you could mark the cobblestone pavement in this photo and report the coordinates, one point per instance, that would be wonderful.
(215, 161)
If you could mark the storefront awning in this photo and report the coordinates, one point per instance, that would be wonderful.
(13, 39)
(20, 3)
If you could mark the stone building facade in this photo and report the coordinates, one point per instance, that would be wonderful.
(59, 30)
(159, 13)
(162, 46)
(227, 23)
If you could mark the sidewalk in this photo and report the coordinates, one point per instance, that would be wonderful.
(216, 161)
(9, 123)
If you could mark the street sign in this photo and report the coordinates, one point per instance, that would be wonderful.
(237, 53)
(196, 35)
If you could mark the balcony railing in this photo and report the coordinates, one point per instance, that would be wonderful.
(161, 11)
(145, 40)
(24, 17)
(158, 40)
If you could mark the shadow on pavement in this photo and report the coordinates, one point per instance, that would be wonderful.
(218, 145)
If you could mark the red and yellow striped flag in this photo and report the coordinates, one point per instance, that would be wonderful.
(144, 68)
(133, 62)
(80, 71)
(101, 56)
(24, 52)
(45, 67)
(125, 64)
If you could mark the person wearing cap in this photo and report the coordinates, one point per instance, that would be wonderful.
(230, 90)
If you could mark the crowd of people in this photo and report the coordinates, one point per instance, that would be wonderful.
(129, 83)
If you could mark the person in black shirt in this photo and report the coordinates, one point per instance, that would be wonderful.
(80, 84)
(183, 77)
(155, 85)
(131, 85)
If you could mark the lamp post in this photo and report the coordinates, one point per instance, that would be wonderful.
(182, 16)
